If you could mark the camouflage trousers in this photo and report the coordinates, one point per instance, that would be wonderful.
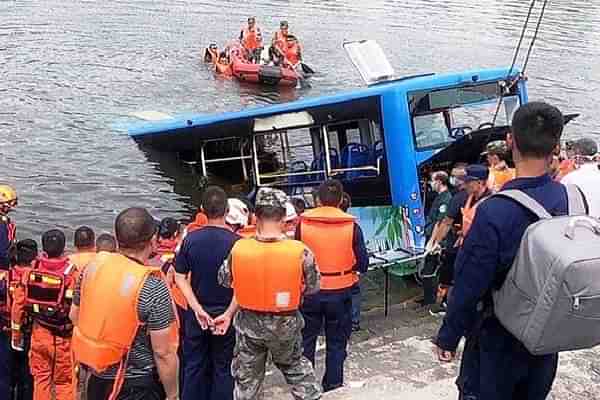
(249, 363)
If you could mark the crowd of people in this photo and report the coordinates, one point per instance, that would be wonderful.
(162, 311)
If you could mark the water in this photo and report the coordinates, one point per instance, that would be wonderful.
(71, 69)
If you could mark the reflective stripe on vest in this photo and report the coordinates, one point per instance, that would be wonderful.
(110, 287)
(329, 232)
(267, 276)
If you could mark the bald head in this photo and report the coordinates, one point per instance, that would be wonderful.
(134, 228)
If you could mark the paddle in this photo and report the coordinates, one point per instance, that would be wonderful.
(306, 69)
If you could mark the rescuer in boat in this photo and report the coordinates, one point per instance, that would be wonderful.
(268, 320)
(8, 201)
(85, 247)
(293, 51)
(135, 354)
(209, 342)
(107, 243)
(339, 247)
(500, 173)
(49, 292)
(251, 40)
(26, 255)
(282, 49)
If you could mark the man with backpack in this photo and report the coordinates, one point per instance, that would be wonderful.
(496, 364)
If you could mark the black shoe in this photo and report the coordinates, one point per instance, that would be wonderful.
(355, 327)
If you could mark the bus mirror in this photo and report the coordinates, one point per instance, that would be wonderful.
(370, 60)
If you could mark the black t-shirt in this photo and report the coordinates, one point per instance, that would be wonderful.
(457, 202)
(202, 253)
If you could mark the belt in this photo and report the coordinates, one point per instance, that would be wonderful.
(342, 273)
(271, 313)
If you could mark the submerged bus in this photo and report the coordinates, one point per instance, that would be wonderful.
(382, 142)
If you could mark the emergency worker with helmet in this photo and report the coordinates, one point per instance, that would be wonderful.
(269, 320)
(8, 201)
(500, 173)
(48, 297)
(133, 356)
(251, 39)
(338, 244)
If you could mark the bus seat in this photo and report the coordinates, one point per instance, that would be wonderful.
(298, 166)
(319, 163)
(378, 151)
(356, 155)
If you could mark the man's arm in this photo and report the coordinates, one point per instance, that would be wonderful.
(166, 360)
(4, 246)
(475, 272)
(311, 274)
(74, 311)
(360, 250)
(441, 229)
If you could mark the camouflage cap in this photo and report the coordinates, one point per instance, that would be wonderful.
(496, 147)
(271, 197)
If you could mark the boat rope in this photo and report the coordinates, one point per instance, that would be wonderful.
(507, 81)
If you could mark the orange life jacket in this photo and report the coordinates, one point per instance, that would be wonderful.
(468, 214)
(81, 259)
(110, 287)
(279, 41)
(268, 276)
(200, 221)
(292, 53)
(498, 177)
(17, 276)
(49, 292)
(248, 231)
(165, 259)
(329, 233)
(251, 39)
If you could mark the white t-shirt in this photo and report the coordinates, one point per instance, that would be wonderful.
(587, 178)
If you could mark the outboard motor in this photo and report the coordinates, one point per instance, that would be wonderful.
(269, 75)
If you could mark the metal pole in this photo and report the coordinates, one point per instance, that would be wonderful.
(283, 150)
(243, 161)
(203, 160)
(326, 151)
(255, 158)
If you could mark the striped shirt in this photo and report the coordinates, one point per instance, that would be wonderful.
(155, 311)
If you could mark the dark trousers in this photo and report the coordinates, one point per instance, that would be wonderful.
(145, 388)
(5, 363)
(334, 311)
(181, 315)
(430, 279)
(207, 363)
(22, 381)
(500, 368)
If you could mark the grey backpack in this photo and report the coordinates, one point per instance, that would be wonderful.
(550, 299)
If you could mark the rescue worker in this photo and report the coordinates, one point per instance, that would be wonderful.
(106, 242)
(293, 51)
(237, 214)
(476, 179)
(587, 175)
(446, 235)
(251, 39)
(439, 183)
(49, 289)
(85, 247)
(496, 153)
(8, 201)
(279, 43)
(338, 244)
(495, 365)
(208, 344)
(268, 321)
(130, 356)
(22, 381)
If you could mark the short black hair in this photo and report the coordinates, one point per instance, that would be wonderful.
(330, 193)
(346, 202)
(270, 213)
(134, 228)
(537, 128)
(53, 243)
(299, 205)
(26, 251)
(214, 202)
(441, 176)
(168, 228)
(84, 237)
(106, 242)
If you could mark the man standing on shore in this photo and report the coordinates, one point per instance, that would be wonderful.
(495, 365)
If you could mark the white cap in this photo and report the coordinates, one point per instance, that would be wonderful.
(290, 212)
(238, 213)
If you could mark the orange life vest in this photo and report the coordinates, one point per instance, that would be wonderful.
(292, 53)
(279, 41)
(251, 39)
(16, 277)
(165, 259)
(248, 231)
(80, 260)
(49, 292)
(198, 222)
(498, 177)
(268, 276)
(468, 214)
(329, 233)
(110, 287)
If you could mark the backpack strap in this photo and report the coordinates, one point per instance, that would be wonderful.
(577, 203)
(526, 201)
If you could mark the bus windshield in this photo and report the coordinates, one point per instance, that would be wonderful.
(439, 117)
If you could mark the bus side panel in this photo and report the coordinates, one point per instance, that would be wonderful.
(402, 166)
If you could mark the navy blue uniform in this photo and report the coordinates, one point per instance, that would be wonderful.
(207, 357)
(332, 308)
(6, 238)
(495, 364)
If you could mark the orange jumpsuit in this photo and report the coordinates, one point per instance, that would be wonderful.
(50, 354)
(17, 303)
